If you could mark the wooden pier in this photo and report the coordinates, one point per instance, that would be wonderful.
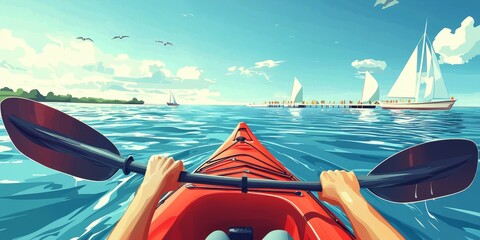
(320, 105)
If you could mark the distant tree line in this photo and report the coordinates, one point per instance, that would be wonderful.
(34, 94)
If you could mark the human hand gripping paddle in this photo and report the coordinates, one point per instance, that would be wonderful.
(61, 142)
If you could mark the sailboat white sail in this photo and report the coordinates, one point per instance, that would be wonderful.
(405, 86)
(371, 92)
(409, 83)
(428, 80)
(297, 92)
(172, 98)
(440, 90)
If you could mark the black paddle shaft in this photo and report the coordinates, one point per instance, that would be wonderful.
(61, 143)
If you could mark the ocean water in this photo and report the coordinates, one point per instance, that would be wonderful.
(39, 203)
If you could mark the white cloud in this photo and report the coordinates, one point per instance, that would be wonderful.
(196, 96)
(252, 71)
(183, 96)
(386, 3)
(6, 65)
(122, 70)
(267, 63)
(66, 65)
(245, 71)
(99, 67)
(369, 64)
(68, 53)
(124, 66)
(263, 74)
(13, 49)
(122, 56)
(76, 54)
(460, 46)
(149, 67)
(12, 44)
(210, 80)
(167, 73)
(189, 73)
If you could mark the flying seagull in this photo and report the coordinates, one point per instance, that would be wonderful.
(164, 43)
(120, 37)
(85, 39)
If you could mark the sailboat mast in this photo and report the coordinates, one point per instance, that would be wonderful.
(419, 79)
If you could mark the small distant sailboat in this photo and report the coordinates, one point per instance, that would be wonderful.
(407, 86)
(297, 92)
(370, 93)
(172, 102)
(296, 98)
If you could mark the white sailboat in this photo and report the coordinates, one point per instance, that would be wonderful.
(297, 92)
(296, 98)
(408, 86)
(172, 101)
(370, 93)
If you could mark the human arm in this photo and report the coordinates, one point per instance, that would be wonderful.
(161, 177)
(342, 189)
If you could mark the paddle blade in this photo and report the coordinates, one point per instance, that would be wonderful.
(49, 118)
(429, 170)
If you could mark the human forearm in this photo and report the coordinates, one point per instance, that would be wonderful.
(342, 189)
(135, 223)
(161, 176)
(367, 223)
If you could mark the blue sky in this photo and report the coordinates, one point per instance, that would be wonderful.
(229, 51)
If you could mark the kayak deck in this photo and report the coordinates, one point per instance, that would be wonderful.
(196, 210)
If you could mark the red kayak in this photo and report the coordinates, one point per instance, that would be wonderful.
(196, 210)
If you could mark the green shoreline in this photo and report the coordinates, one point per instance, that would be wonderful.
(34, 94)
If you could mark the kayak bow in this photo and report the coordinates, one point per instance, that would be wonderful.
(203, 209)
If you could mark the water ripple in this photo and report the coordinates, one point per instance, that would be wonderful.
(306, 141)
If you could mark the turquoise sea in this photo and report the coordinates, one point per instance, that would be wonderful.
(39, 203)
